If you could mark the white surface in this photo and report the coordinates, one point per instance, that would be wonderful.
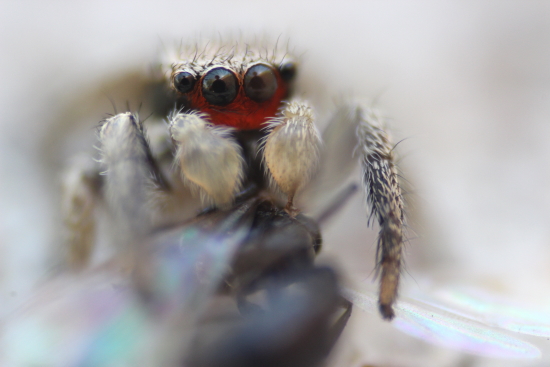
(468, 83)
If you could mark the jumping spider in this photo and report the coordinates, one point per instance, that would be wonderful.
(234, 130)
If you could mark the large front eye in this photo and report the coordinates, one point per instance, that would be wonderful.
(219, 86)
(184, 81)
(260, 83)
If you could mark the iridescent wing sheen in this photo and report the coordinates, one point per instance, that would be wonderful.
(105, 317)
(493, 310)
(449, 327)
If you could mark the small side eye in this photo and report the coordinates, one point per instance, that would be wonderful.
(219, 86)
(260, 83)
(287, 70)
(184, 81)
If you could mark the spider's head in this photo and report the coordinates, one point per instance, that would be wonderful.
(238, 91)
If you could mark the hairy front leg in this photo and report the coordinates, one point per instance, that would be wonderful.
(384, 196)
(354, 131)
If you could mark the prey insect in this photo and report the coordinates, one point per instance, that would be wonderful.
(234, 129)
(215, 291)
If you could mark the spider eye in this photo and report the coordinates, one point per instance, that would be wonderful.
(219, 86)
(287, 70)
(184, 81)
(260, 83)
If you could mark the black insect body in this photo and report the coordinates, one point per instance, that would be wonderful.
(287, 306)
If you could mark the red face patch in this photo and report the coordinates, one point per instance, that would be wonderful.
(241, 100)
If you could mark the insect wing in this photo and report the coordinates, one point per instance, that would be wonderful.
(188, 268)
(102, 318)
(447, 328)
(494, 310)
(68, 319)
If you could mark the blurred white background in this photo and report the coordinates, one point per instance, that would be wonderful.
(467, 83)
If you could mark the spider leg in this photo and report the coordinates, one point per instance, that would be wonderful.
(291, 150)
(81, 186)
(133, 182)
(354, 131)
(385, 201)
(209, 158)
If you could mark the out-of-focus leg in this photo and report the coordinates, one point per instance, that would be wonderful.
(133, 182)
(81, 185)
